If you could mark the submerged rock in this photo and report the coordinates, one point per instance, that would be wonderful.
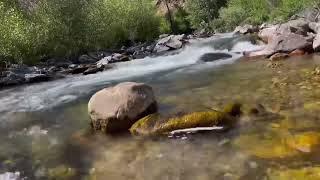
(280, 144)
(154, 124)
(259, 146)
(117, 108)
(306, 173)
(279, 56)
(145, 126)
(197, 119)
(214, 56)
(305, 142)
(61, 172)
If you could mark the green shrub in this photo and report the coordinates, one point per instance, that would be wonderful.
(287, 8)
(182, 25)
(202, 12)
(56, 28)
(239, 12)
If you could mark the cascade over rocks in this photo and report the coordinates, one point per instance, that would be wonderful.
(117, 108)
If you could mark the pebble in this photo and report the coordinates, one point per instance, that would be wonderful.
(253, 165)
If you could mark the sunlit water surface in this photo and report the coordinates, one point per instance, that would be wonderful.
(45, 132)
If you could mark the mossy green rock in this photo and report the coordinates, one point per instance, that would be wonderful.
(61, 173)
(154, 124)
(145, 126)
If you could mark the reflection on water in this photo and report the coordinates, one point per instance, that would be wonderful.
(58, 144)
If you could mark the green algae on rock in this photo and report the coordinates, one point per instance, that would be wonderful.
(197, 119)
(304, 142)
(61, 172)
(265, 148)
(280, 144)
(154, 124)
(307, 173)
(145, 125)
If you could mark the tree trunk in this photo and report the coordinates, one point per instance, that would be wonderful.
(170, 17)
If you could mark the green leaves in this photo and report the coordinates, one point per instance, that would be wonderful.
(239, 12)
(65, 28)
(202, 12)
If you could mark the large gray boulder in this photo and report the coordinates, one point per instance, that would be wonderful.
(289, 42)
(171, 42)
(284, 43)
(315, 27)
(266, 33)
(117, 108)
(246, 29)
(297, 26)
(316, 42)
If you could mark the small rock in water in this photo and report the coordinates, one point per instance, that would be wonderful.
(209, 57)
(253, 165)
(223, 142)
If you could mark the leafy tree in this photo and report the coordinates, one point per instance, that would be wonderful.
(202, 12)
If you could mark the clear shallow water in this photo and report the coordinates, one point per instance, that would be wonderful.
(45, 132)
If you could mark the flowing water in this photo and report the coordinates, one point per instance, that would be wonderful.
(45, 132)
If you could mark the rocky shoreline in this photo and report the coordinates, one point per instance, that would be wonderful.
(298, 36)
(90, 63)
(294, 38)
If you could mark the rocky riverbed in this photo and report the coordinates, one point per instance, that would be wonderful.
(46, 132)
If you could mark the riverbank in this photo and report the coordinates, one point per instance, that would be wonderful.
(296, 37)
(91, 63)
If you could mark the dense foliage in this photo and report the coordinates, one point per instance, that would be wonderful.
(68, 27)
(31, 30)
(257, 11)
(202, 12)
(225, 15)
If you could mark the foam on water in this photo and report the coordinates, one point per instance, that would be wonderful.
(46, 95)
